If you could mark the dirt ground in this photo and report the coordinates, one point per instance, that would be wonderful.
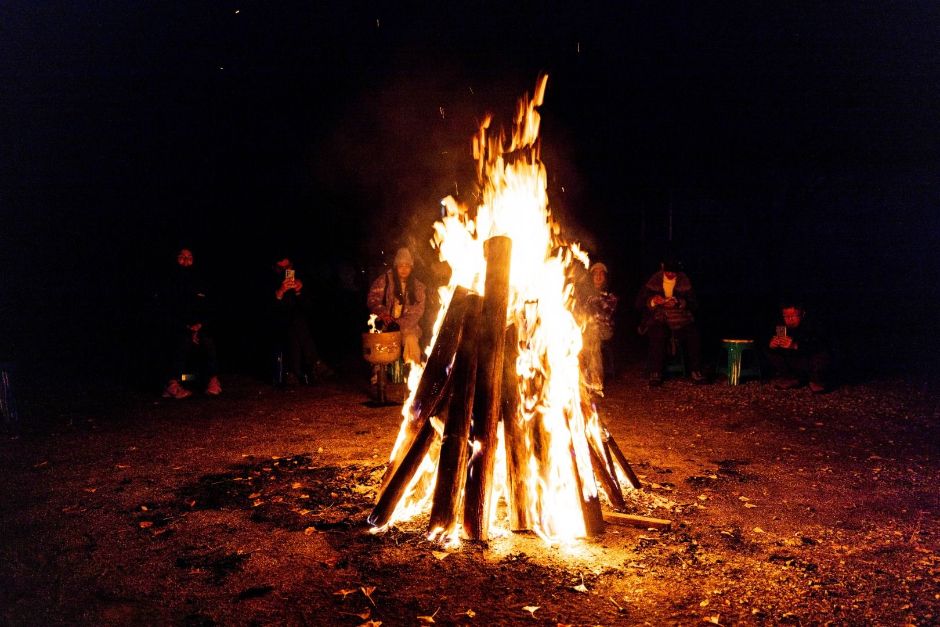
(121, 508)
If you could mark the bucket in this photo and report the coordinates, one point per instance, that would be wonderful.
(381, 348)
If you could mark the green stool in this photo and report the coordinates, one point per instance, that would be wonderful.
(735, 368)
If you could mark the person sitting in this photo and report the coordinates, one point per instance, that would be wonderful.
(668, 303)
(596, 305)
(186, 311)
(292, 306)
(798, 351)
(397, 299)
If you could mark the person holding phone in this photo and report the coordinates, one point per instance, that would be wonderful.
(798, 351)
(293, 305)
(668, 304)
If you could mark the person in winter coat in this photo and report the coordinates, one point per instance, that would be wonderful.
(799, 352)
(596, 305)
(397, 299)
(186, 313)
(668, 304)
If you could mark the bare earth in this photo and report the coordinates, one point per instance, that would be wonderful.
(250, 509)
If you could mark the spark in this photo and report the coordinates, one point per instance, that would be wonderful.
(441, 109)
(237, 11)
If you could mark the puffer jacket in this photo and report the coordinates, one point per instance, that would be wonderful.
(382, 298)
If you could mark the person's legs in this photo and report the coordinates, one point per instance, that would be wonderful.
(411, 348)
(294, 351)
(693, 344)
(819, 366)
(785, 367)
(656, 357)
(182, 346)
(213, 385)
(592, 362)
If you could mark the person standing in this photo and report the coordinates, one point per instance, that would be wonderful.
(186, 311)
(397, 298)
(668, 304)
(292, 308)
(597, 305)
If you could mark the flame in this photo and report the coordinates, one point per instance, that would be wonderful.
(555, 420)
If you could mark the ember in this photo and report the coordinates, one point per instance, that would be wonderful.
(499, 413)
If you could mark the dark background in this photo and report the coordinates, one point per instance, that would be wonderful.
(781, 149)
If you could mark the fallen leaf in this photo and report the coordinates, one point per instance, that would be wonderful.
(743, 498)
(296, 485)
(364, 614)
(254, 495)
(371, 623)
(702, 497)
(531, 609)
(469, 614)
(345, 592)
(122, 466)
(192, 503)
(90, 490)
(309, 531)
(580, 588)
(426, 620)
(143, 508)
(757, 530)
(749, 505)
(712, 619)
(368, 590)
(440, 554)
(257, 503)
(40, 465)
(144, 524)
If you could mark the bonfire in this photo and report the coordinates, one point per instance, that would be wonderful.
(499, 433)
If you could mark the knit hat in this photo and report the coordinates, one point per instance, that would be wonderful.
(403, 256)
(598, 266)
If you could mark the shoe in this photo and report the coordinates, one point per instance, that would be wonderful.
(656, 380)
(787, 384)
(214, 388)
(817, 388)
(698, 378)
(173, 389)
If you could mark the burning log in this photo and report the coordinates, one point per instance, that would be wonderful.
(590, 505)
(621, 460)
(477, 502)
(429, 399)
(434, 385)
(644, 522)
(455, 452)
(514, 430)
(608, 476)
(402, 476)
(432, 388)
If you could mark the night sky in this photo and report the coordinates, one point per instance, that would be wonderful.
(780, 149)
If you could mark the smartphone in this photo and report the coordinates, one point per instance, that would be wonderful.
(289, 274)
(781, 330)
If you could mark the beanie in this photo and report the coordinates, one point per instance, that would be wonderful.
(403, 256)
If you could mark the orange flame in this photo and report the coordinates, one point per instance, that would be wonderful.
(556, 421)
